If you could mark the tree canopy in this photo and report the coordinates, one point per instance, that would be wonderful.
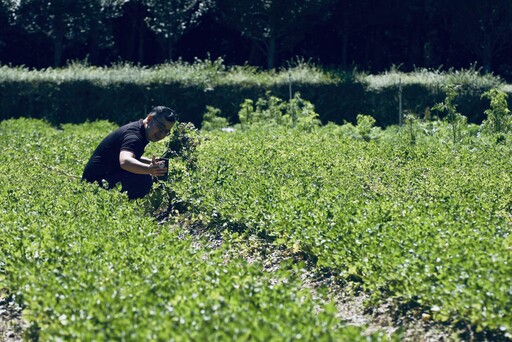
(370, 35)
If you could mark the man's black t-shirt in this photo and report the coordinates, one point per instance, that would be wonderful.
(105, 159)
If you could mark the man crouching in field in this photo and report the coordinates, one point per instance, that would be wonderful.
(118, 158)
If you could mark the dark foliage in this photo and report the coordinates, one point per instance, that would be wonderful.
(368, 34)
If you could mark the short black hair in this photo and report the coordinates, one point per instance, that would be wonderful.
(167, 113)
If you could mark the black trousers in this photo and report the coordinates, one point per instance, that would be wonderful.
(137, 186)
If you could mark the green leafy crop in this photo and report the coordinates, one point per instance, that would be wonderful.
(499, 120)
(427, 224)
(88, 264)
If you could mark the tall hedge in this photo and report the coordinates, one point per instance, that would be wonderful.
(88, 94)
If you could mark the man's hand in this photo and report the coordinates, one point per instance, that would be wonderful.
(128, 162)
(157, 167)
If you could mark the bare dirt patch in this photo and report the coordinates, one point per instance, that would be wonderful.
(12, 325)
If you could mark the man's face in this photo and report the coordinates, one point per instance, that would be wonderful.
(158, 128)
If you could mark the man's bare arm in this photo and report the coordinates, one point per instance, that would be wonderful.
(129, 163)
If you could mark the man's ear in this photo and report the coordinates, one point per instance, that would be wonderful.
(149, 118)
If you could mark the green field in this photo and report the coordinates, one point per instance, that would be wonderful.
(409, 215)
(88, 264)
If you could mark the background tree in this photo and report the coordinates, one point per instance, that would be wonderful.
(347, 20)
(96, 26)
(170, 19)
(482, 27)
(66, 23)
(131, 31)
(50, 18)
(273, 24)
(6, 16)
(370, 35)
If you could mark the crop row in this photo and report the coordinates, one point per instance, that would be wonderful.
(87, 264)
(427, 224)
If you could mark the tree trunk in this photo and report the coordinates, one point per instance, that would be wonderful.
(94, 43)
(170, 49)
(140, 53)
(486, 53)
(57, 52)
(415, 55)
(344, 41)
(58, 38)
(130, 51)
(377, 51)
(255, 55)
(135, 14)
(271, 53)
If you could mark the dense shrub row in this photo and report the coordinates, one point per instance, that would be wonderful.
(79, 93)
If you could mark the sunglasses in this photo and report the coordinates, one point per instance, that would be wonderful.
(162, 129)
